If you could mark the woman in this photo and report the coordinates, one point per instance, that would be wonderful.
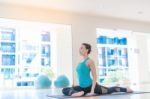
(88, 85)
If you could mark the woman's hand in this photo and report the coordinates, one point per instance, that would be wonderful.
(90, 94)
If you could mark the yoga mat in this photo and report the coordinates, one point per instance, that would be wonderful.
(117, 93)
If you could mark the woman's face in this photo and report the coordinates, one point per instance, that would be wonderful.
(83, 51)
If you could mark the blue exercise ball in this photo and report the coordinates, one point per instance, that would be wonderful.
(43, 82)
(61, 81)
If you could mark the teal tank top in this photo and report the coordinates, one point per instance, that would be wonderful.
(83, 73)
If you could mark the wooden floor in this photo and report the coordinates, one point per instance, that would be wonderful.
(42, 94)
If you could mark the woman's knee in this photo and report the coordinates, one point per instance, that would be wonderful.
(65, 91)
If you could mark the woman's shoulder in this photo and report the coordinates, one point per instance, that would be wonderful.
(90, 61)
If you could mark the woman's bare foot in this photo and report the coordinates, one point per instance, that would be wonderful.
(129, 90)
(78, 94)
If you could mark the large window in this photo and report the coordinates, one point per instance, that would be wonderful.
(28, 49)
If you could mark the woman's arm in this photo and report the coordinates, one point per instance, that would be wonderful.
(91, 64)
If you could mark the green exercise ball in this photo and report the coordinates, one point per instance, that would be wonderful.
(43, 82)
(61, 81)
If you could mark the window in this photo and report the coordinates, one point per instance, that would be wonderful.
(28, 49)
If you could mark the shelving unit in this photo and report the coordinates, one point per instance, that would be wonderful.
(22, 60)
(45, 49)
(7, 56)
(112, 56)
(33, 59)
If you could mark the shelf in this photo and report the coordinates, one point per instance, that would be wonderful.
(25, 79)
(10, 66)
(25, 82)
(111, 46)
(7, 41)
(45, 43)
(45, 67)
(114, 67)
(7, 53)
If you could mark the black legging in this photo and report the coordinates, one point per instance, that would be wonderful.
(98, 90)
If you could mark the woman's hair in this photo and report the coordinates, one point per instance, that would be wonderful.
(87, 46)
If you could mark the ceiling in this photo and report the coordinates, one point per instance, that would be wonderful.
(125, 9)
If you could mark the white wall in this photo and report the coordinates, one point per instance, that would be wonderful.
(143, 56)
(83, 26)
(64, 51)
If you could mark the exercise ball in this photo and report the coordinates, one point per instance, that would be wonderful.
(43, 82)
(61, 81)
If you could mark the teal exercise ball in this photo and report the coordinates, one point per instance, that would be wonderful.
(61, 81)
(43, 82)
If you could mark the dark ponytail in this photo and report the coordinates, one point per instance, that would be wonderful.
(87, 46)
